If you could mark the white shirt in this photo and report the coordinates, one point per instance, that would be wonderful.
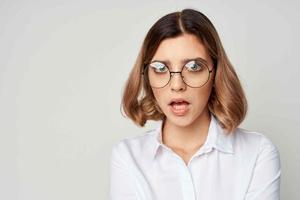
(244, 165)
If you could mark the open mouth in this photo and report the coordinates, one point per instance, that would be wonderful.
(179, 107)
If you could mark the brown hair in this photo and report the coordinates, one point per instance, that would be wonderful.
(227, 101)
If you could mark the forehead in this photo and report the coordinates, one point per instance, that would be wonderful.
(178, 50)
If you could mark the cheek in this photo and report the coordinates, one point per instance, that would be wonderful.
(161, 100)
(159, 96)
(203, 96)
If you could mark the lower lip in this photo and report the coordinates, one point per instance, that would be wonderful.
(179, 110)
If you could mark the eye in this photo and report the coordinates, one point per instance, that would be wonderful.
(194, 66)
(158, 67)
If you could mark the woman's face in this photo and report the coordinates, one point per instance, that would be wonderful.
(174, 51)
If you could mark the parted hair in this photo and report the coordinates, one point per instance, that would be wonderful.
(227, 101)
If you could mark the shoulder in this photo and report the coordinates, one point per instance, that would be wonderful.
(132, 145)
(254, 143)
(253, 137)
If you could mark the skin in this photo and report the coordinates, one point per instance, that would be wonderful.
(184, 134)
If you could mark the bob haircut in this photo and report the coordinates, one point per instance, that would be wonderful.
(227, 100)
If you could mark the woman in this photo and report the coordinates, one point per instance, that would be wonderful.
(183, 79)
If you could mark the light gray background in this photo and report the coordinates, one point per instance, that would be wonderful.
(63, 65)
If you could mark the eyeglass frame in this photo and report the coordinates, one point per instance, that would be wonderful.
(174, 72)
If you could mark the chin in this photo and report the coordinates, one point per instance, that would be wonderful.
(186, 119)
(182, 121)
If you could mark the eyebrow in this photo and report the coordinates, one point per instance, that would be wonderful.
(184, 61)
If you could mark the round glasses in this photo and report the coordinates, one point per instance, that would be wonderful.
(195, 73)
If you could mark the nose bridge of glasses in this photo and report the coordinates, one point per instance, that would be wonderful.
(172, 73)
(179, 73)
(180, 78)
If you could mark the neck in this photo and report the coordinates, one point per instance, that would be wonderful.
(187, 138)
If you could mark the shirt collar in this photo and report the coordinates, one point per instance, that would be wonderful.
(216, 138)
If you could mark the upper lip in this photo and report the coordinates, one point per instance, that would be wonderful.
(178, 100)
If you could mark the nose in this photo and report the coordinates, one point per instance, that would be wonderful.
(177, 83)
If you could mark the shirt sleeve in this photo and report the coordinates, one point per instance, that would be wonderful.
(121, 184)
(265, 183)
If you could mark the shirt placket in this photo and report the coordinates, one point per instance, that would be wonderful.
(188, 189)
